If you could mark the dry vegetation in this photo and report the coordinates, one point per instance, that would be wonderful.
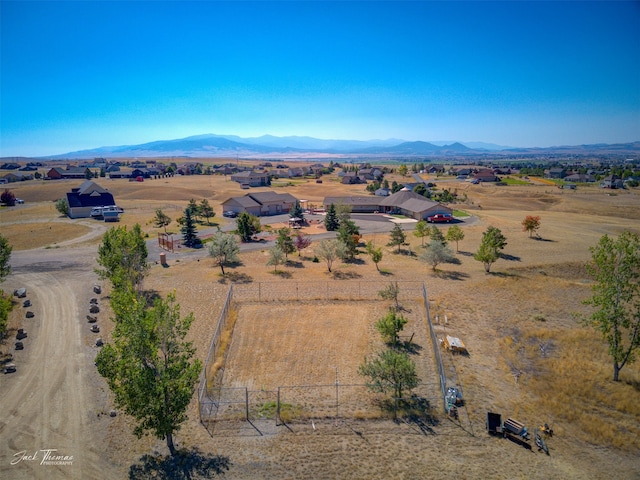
(504, 318)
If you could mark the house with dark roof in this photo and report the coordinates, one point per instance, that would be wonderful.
(580, 178)
(403, 202)
(17, 177)
(251, 178)
(77, 173)
(486, 175)
(88, 195)
(260, 204)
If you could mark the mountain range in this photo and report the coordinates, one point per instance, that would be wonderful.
(292, 147)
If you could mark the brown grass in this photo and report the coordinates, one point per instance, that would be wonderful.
(501, 317)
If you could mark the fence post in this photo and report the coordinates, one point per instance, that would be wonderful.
(278, 408)
(246, 403)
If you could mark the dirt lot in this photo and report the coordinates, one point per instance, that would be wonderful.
(56, 399)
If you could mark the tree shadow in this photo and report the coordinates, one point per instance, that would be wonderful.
(450, 275)
(186, 464)
(345, 275)
(386, 273)
(508, 257)
(235, 277)
(409, 347)
(415, 411)
(504, 274)
(282, 273)
(294, 264)
(540, 239)
(465, 254)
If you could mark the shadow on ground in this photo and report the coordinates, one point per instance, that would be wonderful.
(186, 464)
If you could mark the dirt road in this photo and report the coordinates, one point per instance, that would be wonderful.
(50, 425)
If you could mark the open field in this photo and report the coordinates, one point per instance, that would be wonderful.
(528, 300)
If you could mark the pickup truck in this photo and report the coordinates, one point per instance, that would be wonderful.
(439, 218)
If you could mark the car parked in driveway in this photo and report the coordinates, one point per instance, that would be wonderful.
(230, 214)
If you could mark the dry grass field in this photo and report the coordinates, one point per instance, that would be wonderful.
(530, 299)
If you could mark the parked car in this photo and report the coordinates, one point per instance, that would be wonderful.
(439, 218)
(230, 214)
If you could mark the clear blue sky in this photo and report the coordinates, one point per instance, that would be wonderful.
(84, 74)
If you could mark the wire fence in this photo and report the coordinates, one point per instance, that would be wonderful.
(302, 403)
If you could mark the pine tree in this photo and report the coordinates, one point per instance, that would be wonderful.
(188, 230)
(331, 222)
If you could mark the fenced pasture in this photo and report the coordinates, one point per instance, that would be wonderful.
(289, 352)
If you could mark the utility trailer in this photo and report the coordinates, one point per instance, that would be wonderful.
(495, 426)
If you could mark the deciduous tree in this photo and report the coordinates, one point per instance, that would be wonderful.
(390, 326)
(489, 251)
(390, 372)
(62, 206)
(615, 267)
(531, 224)
(285, 242)
(5, 255)
(161, 220)
(276, 257)
(328, 251)
(375, 253)
(391, 292)
(8, 198)
(437, 253)
(123, 257)
(149, 366)
(455, 234)
(422, 230)
(224, 249)
(301, 241)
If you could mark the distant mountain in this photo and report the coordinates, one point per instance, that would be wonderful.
(268, 146)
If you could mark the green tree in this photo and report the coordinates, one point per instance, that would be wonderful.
(615, 267)
(123, 257)
(437, 235)
(194, 209)
(390, 372)
(149, 366)
(285, 241)
(5, 255)
(403, 170)
(161, 220)
(437, 253)
(343, 212)
(396, 187)
(328, 250)
(62, 206)
(88, 174)
(224, 249)
(188, 230)
(276, 257)
(420, 189)
(489, 251)
(531, 224)
(296, 211)
(375, 253)
(391, 292)
(247, 226)
(331, 222)
(206, 210)
(455, 234)
(398, 237)
(348, 236)
(421, 230)
(390, 327)
(5, 308)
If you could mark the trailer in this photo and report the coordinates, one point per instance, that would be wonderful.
(513, 427)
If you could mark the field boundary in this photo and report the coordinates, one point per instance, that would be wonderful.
(330, 401)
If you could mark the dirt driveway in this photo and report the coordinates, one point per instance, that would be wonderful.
(51, 402)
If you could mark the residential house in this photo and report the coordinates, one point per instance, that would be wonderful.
(260, 204)
(612, 181)
(17, 177)
(556, 172)
(88, 195)
(77, 173)
(485, 175)
(352, 178)
(403, 202)
(251, 178)
(580, 178)
(10, 166)
(370, 173)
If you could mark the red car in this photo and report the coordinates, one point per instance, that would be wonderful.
(440, 218)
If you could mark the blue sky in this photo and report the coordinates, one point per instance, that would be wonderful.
(84, 74)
